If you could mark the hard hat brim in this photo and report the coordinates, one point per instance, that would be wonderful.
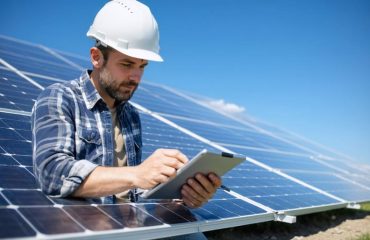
(141, 54)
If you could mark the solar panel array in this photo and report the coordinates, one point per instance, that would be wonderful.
(283, 175)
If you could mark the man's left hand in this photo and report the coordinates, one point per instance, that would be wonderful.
(200, 189)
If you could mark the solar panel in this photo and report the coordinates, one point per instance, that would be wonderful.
(312, 172)
(282, 175)
(160, 100)
(243, 139)
(19, 187)
(34, 59)
(206, 122)
(16, 93)
(273, 190)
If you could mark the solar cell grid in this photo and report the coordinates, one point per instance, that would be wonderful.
(160, 100)
(34, 59)
(346, 166)
(50, 220)
(21, 147)
(91, 218)
(24, 49)
(15, 177)
(314, 148)
(3, 202)
(284, 161)
(239, 136)
(16, 92)
(49, 215)
(26, 197)
(130, 216)
(271, 189)
(334, 184)
(6, 159)
(46, 81)
(83, 62)
(157, 134)
(361, 179)
(13, 225)
(308, 170)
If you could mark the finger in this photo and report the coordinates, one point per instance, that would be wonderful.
(189, 201)
(161, 178)
(216, 180)
(171, 162)
(191, 194)
(169, 171)
(198, 188)
(206, 183)
(175, 154)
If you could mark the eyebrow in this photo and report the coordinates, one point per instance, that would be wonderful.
(132, 62)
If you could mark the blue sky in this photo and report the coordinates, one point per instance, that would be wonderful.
(301, 65)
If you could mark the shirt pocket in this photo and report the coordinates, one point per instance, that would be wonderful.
(91, 145)
(89, 135)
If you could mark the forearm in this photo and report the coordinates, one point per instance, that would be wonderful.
(158, 168)
(104, 181)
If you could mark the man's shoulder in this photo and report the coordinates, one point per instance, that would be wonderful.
(67, 87)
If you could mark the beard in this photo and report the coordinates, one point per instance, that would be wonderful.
(119, 91)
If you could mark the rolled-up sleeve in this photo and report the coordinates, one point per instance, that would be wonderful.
(53, 141)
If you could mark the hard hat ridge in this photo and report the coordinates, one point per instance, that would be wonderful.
(129, 27)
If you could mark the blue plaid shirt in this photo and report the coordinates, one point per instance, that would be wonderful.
(72, 135)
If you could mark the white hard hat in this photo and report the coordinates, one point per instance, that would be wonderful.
(129, 27)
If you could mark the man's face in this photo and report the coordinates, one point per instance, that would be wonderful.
(120, 76)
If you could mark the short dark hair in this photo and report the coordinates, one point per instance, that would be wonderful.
(105, 50)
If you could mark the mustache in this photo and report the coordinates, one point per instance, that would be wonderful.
(130, 83)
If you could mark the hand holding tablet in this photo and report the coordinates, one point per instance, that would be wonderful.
(204, 162)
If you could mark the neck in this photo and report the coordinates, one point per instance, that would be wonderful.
(95, 77)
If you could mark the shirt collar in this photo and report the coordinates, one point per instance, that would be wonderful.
(89, 92)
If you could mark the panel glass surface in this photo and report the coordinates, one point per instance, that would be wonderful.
(92, 218)
(13, 225)
(271, 189)
(130, 216)
(160, 100)
(16, 92)
(359, 172)
(177, 109)
(83, 62)
(16, 177)
(34, 59)
(50, 216)
(26, 197)
(230, 135)
(3, 202)
(50, 220)
(315, 149)
(311, 172)
(15, 140)
(20, 189)
(157, 134)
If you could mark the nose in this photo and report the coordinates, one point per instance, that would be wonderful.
(136, 74)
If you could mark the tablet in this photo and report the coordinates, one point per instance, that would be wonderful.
(204, 162)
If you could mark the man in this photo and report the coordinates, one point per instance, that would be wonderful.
(87, 136)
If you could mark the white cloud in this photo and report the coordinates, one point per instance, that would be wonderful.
(221, 105)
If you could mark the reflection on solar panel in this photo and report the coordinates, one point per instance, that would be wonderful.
(283, 175)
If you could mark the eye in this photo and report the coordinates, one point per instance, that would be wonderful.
(128, 65)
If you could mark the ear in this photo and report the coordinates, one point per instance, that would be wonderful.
(96, 57)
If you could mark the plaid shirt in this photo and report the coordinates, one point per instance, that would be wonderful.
(72, 135)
